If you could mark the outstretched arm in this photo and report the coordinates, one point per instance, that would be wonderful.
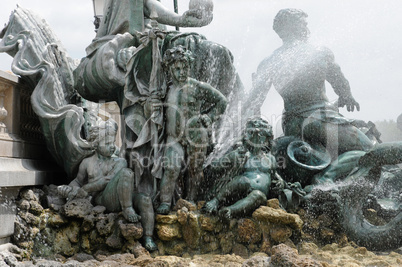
(155, 10)
(340, 84)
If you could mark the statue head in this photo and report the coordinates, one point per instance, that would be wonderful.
(258, 133)
(105, 139)
(291, 24)
(176, 63)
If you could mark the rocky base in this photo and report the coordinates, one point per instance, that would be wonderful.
(307, 254)
(78, 234)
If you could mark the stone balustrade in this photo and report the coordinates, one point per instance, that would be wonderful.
(24, 159)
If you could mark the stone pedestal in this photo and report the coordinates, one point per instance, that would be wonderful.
(24, 158)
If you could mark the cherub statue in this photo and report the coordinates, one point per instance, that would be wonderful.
(107, 179)
(255, 170)
(191, 108)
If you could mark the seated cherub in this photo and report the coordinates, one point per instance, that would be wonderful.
(105, 177)
(255, 171)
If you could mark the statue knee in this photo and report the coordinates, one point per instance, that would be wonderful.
(258, 196)
(143, 204)
(127, 173)
(126, 177)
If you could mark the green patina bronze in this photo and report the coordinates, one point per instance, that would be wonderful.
(169, 119)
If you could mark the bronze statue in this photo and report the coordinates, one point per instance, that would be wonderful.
(191, 108)
(107, 179)
(298, 70)
(255, 169)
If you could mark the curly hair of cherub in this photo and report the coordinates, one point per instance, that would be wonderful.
(101, 130)
(177, 53)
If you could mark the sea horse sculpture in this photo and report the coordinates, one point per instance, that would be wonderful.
(41, 60)
(361, 189)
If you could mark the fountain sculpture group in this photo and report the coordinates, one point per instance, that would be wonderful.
(173, 89)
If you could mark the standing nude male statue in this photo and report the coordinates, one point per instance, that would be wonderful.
(191, 108)
(298, 70)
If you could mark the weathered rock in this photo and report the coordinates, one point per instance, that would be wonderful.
(136, 248)
(125, 258)
(267, 214)
(24, 234)
(191, 231)
(248, 231)
(217, 260)
(210, 247)
(226, 242)
(167, 261)
(175, 248)
(55, 219)
(327, 235)
(48, 263)
(307, 248)
(210, 224)
(257, 261)
(29, 218)
(55, 202)
(131, 230)
(266, 245)
(63, 245)
(273, 203)
(166, 219)
(168, 232)
(105, 224)
(29, 195)
(24, 205)
(280, 233)
(88, 223)
(95, 238)
(98, 210)
(44, 243)
(114, 241)
(184, 203)
(285, 256)
(325, 220)
(208, 237)
(78, 208)
(342, 240)
(144, 260)
(73, 232)
(8, 259)
(200, 204)
(81, 257)
(86, 243)
(240, 250)
(35, 207)
(182, 216)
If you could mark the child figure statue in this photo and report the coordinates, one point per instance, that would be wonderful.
(191, 108)
(254, 169)
(107, 179)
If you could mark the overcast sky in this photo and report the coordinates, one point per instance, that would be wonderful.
(365, 36)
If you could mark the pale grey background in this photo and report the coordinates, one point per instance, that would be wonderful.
(365, 36)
